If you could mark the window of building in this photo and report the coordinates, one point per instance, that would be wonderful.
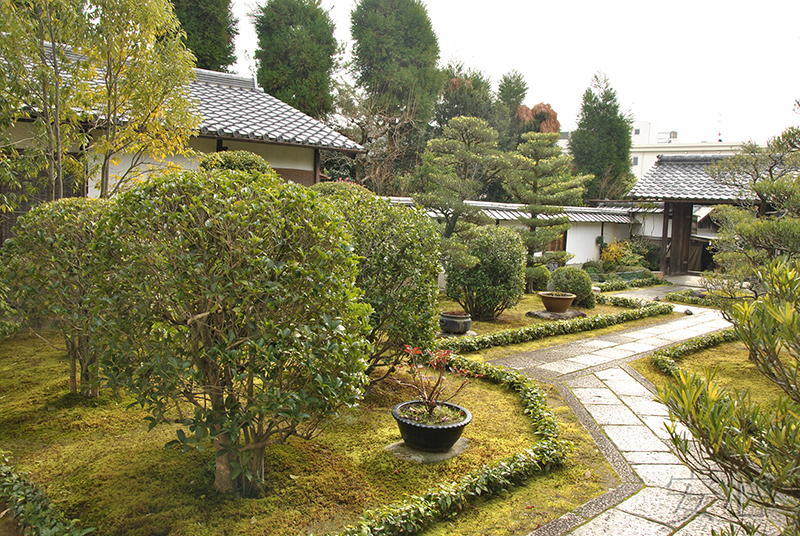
(636, 132)
(635, 161)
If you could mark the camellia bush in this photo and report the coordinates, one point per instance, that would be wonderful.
(235, 160)
(575, 281)
(232, 310)
(398, 248)
(497, 281)
(50, 271)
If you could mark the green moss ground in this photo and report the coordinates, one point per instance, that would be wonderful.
(98, 462)
(735, 371)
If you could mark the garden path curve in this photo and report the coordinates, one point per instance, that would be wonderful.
(657, 495)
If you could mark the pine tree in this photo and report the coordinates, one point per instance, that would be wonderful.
(210, 29)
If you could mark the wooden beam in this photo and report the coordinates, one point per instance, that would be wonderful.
(665, 237)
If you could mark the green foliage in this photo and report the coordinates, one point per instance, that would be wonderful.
(512, 90)
(497, 281)
(537, 278)
(666, 359)
(592, 267)
(457, 167)
(30, 507)
(601, 145)
(231, 296)
(395, 52)
(448, 499)
(575, 281)
(544, 181)
(640, 309)
(749, 449)
(295, 54)
(210, 28)
(466, 93)
(235, 160)
(50, 270)
(685, 296)
(613, 285)
(398, 249)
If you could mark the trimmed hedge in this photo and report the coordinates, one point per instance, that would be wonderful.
(447, 500)
(613, 286)
(31, 507)
(685, 296)
(666, 358)
(640, 309)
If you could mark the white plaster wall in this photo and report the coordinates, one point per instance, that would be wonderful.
(581, 243)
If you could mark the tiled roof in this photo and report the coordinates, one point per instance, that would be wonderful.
(683, 178)
(512, 211)
(235, 107)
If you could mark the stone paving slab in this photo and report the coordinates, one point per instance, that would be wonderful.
(591, 360)
(628, 388)
(612, 414)
(645, 405)
(595, 396)
(621, 523)
(637, 438)
(664, 506)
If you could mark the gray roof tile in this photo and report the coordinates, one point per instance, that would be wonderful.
(683, 178)
(232, 106)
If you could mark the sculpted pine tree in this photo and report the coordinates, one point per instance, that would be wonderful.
(295, 54)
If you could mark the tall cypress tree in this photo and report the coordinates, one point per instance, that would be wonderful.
(210, 29)
(295, 54)
(601, 145)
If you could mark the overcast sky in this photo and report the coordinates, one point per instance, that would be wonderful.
(696, 67)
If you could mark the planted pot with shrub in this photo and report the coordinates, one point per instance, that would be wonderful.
(575, 281)
(497, 281)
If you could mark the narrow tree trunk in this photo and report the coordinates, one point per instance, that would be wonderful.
(224, 468)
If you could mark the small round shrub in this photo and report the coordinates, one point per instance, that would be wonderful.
(576, 281)
(592, 267)
(536, 278)
(235, 160)
(497, 281)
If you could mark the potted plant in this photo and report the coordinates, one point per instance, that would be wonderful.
(556, 302)
(431, 423)
(456, 322)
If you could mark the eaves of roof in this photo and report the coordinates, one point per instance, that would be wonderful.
(684, 179)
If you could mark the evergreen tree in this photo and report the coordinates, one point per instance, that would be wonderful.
(466, 93)
(210, 28)
(295, 54)
(545, 183)
(601, 145)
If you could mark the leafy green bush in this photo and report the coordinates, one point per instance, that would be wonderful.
(497, 281)
(576, 281)
(536, 278)
(592, 267)
(50, 270)
(232, 296)
(398, 268)
(235, 160)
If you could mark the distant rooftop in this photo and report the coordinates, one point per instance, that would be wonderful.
(683, 178)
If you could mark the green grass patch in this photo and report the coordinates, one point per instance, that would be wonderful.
(98, 462)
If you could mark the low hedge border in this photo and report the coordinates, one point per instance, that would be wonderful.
(448, 500)
(685, 296)
(639, 309)
(666, 359)
(30, 506)
(613, 286)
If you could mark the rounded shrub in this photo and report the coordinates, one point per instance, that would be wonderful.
(398, 249)
(497, 281)
(537, 278)
(575, 281)
(235, 160)
(592, 267)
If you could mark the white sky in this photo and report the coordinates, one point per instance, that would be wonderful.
(695, 67)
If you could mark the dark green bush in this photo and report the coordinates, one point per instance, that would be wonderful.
(536, 278)
(592, 267)
(497, 281)
(236, 160)
(575, 281)
(398, 247)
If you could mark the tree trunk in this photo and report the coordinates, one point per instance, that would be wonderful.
(223, 470)
(88, 360)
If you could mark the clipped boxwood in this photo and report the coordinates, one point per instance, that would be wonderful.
(576, 281)
(537, 278)
(639, 309)
(666, 359)
(619, 284)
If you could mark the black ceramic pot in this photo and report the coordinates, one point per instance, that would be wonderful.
(455, 323)
(430, 437)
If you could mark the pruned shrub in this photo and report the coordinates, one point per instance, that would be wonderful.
(536, 278)
(497, 281)
(398, 248)
(231, 296)
(592, 267)
(576, 281)
(235, 160)
(49, 267)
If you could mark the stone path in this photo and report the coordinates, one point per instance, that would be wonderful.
(658, 495)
